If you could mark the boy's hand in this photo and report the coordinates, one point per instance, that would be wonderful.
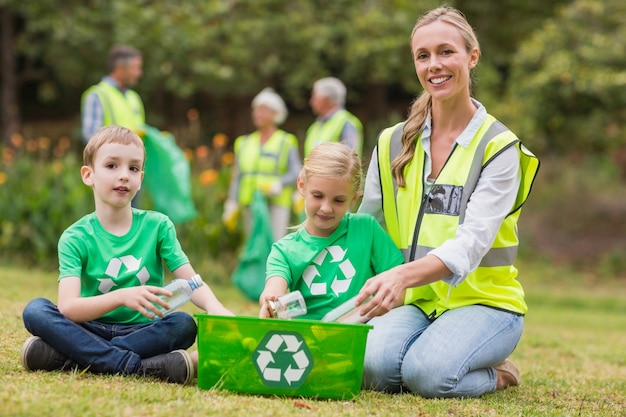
(143, 299)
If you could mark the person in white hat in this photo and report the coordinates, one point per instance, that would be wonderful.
(267, 159)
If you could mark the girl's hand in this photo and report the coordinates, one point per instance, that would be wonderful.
(265, 312)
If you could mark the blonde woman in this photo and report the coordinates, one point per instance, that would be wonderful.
(448, 184)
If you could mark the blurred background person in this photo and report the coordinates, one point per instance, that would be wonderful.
(112, 101)
(334, 123)
(268, 160)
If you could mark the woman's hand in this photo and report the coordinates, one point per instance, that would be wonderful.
(388, 289)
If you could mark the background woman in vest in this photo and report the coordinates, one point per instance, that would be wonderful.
(450, 316)
(268, 160)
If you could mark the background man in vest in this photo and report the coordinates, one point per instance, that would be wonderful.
(111, 101)
(334, 123)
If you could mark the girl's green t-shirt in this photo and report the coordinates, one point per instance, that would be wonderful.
(331, 270)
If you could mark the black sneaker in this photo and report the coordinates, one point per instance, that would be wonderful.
(38, 355)
(175, 366)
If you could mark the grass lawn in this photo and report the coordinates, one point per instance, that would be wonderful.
(572, 356)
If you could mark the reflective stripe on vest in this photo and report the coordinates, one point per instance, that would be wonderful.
(261, 165)
(330, 131)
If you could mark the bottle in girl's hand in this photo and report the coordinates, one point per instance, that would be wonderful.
(181, 290)
(288, 306)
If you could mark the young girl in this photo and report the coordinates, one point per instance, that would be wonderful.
(333, 253)
(449, 184)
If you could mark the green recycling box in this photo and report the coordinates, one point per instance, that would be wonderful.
(280, 357)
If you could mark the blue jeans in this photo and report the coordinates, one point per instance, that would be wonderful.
(108, 348)
(451, 356)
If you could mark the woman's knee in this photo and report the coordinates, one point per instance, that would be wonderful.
(429, 379)
(420, 379)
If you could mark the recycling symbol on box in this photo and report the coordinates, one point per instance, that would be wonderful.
(337, 286)
(283, 359)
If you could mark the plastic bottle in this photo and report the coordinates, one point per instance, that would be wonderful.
(181, 290)
(288, 306)
(347, 312)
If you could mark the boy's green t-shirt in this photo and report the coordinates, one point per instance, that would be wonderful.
(106, 262)
(331, 270)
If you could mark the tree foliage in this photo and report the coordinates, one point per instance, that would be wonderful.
(562, 73)
(568, 83)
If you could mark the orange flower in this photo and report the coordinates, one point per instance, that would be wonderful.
(193, 115)
(3, 177)
(64, 143)
(220, 140)
(7, 155)
(228, 158)
(188, 154)
(202, 152)
(17, 140)
(43, 142)
(208, 177)
(32, 145)
(57, 167)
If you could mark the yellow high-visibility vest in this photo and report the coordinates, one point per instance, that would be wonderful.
(261, 165)
(330, 131)
(122, 109)
(419, 222)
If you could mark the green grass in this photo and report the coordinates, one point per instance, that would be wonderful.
(572, 355)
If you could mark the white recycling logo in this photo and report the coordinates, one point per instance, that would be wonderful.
(113, 271)
(337, 286)
(283, 359)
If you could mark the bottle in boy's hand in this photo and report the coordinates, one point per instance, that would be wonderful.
(181, 290)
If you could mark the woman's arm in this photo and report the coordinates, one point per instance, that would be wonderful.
(491, 202)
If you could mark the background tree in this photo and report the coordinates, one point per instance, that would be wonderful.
(568, 80)
(215, 55)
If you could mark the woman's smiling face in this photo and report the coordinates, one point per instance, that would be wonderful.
(441, 60)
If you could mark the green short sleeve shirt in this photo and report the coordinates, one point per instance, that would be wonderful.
(106, 262)
(331, 270)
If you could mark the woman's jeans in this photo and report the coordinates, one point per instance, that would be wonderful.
(451, 356)
(108, 348)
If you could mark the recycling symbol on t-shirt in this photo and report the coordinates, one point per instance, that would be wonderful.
(337, 286)
(113, 270)
(282, 359)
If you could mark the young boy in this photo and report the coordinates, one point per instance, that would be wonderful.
(111, 276)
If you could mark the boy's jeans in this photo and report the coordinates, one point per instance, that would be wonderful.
(108, 348)
(452, 356)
